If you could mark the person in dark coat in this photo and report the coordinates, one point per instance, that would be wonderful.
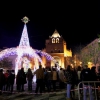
(12, 79)
(29, 76)
(2, 78)
(75, 81)
(69, 78)
(18, 82)
(86, 76)
(22, 78)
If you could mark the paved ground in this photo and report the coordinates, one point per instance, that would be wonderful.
(31, 96)
(58, 95)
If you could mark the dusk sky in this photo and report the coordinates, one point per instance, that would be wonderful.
(77, 22)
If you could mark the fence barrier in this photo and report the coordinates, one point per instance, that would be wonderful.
(93, 90)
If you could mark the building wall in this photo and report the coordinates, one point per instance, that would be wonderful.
(54, 47)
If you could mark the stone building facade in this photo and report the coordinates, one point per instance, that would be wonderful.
(57, 48)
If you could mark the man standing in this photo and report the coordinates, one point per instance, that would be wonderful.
(39, 78)
(86, 76)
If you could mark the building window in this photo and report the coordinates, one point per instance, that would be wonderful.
(57, 40)
(53, 40)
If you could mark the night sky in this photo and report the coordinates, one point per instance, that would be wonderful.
(77, 22)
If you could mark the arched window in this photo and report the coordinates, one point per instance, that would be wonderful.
(53, 40)
(57, 40)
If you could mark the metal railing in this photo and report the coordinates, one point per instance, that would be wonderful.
(93, 90)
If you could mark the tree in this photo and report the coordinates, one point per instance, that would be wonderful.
(86, 56)
(91, 53)
(6, 63)
(77, 54)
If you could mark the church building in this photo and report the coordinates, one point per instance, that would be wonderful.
(57, 48)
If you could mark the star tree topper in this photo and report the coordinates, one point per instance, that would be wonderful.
(25, 19)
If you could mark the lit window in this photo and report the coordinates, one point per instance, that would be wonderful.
(53, 40)
(57, 40)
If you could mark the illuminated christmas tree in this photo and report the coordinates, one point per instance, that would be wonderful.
(24, 42)
(24, 49)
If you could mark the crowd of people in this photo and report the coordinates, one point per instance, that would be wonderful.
(47, 78)
(82, 74)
